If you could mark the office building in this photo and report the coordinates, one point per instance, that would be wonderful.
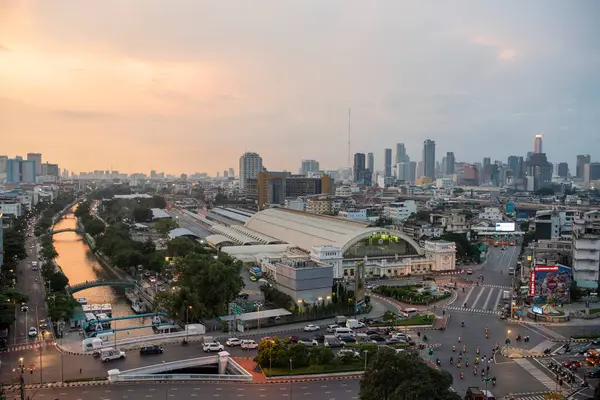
(429, 159)
(581, 161)
(450, 163)
(515, 164)
(299, 186)
(271, 188)
(3, 160)
(37, 159)
(401, 156)
(486, 161)
(231, 172)
(591, 172)
(250, 165)
(361, 174)
(20, 171)
(537, 144)
(370, 162)
(309, 166)
(539, 172)
(388, 163)
(1, 241)
(586, 249)
(562, 170)
(50, 170)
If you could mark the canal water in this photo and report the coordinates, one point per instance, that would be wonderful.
(79, 265)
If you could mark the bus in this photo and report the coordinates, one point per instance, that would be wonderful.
(256, 272)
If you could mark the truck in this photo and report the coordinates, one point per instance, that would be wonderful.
(340, 320)
(354, 323)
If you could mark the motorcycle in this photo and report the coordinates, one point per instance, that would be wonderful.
(438, 362)
(518, 338)
(547, 351)
(475, 371)
(96, 354)
(494, 382)
(462, 375)
(184, 342)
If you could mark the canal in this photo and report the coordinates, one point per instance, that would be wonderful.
(79, 265)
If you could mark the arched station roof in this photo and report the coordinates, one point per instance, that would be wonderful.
(306, 230)
(219, 241)
(178, 232)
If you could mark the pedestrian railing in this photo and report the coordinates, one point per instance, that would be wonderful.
(181, 377)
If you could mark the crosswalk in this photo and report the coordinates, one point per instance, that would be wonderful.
(29, 346)
(537, 373)
(536, 396)
(482, 299)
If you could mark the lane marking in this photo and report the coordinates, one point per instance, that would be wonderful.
(469, 294)
(497, 305)
(487, 300)
(477, 298)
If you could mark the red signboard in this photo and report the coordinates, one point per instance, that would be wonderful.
(31, 366)
(532, 283)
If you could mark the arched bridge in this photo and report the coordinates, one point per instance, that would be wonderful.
(55, 231)
(90, 284)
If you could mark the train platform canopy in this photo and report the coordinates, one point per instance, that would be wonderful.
(158, 213)
(178, 232)
(253, 316)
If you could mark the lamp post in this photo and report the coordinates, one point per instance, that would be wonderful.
(187, 330)
(258, 306)
(366, 352)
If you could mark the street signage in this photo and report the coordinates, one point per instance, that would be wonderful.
(31, 366)
(554, 396)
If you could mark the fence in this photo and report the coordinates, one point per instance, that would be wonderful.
(181, 377)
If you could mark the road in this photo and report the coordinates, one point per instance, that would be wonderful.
(332, 390)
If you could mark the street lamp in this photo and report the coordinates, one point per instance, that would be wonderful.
(187, 330)
(366, 352)
(258, 306)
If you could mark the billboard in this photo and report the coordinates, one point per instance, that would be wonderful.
(552, 283)
(359, 283)
(505, 226)
(510, 208)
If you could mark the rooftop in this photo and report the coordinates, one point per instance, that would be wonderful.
(178, 232)
(158, 213)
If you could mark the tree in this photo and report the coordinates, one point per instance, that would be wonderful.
(82, 209)
(60, 306)
(404, 376)
(180, 247)
(159, 202)
(49, 252)
(384, 221)
(14, 245)
(58, 281)
(165, 225)
(142, 214)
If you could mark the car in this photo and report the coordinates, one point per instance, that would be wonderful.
(331, 328)
(44, 325)
(593, 374)
(32, 332)
(377, 338)
(311, 328)
(24, 307)
(571, 364)
(347, 339)
(308, 342)
(372, 332)
(395, 340)
(582, 349)
(146, 350)
(231, 342)
(212, 346)
(596, 341)
(503, 248)
(469, 272)
(294, 339)
(249, 344)
(348, 352)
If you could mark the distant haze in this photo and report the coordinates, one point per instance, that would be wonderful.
(189, 85)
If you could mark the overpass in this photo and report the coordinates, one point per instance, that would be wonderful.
(53, 232)
(127, 283)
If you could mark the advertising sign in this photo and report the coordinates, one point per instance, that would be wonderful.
(359, 283)
(510, 208)
(552, 283)
(532, 283)
(505, 226)
(537, 310)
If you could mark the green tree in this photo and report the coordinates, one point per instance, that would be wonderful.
(49, 252)
(14, 245)
(404, 376)
(165, 225)
(82, 209)
(384, 221)
(142, 214)
(94, 226)
(60, 306)
(58, 281)
(159, 202)
(458, 191)
(127, 257)
(180, 247)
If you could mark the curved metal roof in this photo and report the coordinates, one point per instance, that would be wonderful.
(178, 232)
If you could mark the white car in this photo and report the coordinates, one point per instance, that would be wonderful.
(214, 346)
(249, 345)
(311, 328)
(32, 332)
(233, 342)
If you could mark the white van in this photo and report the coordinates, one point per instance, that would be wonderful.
(331, 328)
(339, 332)
(111, 354)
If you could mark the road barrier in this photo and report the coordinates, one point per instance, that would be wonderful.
(181, 377)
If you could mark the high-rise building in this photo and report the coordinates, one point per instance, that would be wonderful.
(3, 160)
(591, 172)
(361, 174)
(401, 156)
(231, 172)
(579, 167)
(309, 166)
(562, 170)
(50, 170)
(299, 185)
(37, 159)
(225, 173)
(250, 165)
(370, 162)
(486, 161)
(388, 163)
(429, 159)
(540, 170)
(271, 188)
(450, 163)
(412, 171)
(537, 144)
(20, 171)
(1, 242)
(515, 164)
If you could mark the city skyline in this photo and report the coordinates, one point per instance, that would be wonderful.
(96, 87)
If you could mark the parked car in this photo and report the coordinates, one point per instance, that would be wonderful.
(231, 342)
(146, 350)
(249, 344)
(348, 352)
(319, 338)
(311, 328)
(331, 328)
(213, 346)
(377, 338)
(372, 332)
(24, 307)
(32, 332)
(294, 339)
(596, 341)
(348, 339)
(395, 340)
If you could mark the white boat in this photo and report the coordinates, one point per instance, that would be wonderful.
(82, 300)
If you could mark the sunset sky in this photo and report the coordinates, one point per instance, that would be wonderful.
(189, 85)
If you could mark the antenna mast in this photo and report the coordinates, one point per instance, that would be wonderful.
(349, 152)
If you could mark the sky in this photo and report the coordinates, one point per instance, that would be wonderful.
(190, 85)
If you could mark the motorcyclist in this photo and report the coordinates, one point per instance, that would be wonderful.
(459, 339)
(478, 350)
(437, 361)
(474, 370)
(476, 360)
(451, 360)
(462, 324)
(464, 348)
(454, 348)
(462, 375)
(424, 338)
(465, 305)
(494, 381)
(458, 364)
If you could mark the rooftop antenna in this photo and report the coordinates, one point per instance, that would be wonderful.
(349, 155)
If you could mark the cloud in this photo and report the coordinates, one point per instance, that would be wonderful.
(4, 48)
(76, 114)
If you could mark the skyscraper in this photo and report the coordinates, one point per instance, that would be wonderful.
(450, 163)
(388, 163)
(20, 171)
(370, 162)
(562, 170)
(580, 165)
(401, 156)
(3, 160)
(37, 159)
(231, 172)
(429, 159)
(361, 174)
(486, 161)
(309, 166)
(515, 164)
(537, 144)
(250, 165)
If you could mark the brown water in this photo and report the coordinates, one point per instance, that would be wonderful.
(79, 265)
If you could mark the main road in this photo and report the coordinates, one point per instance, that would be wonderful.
(325, 390)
